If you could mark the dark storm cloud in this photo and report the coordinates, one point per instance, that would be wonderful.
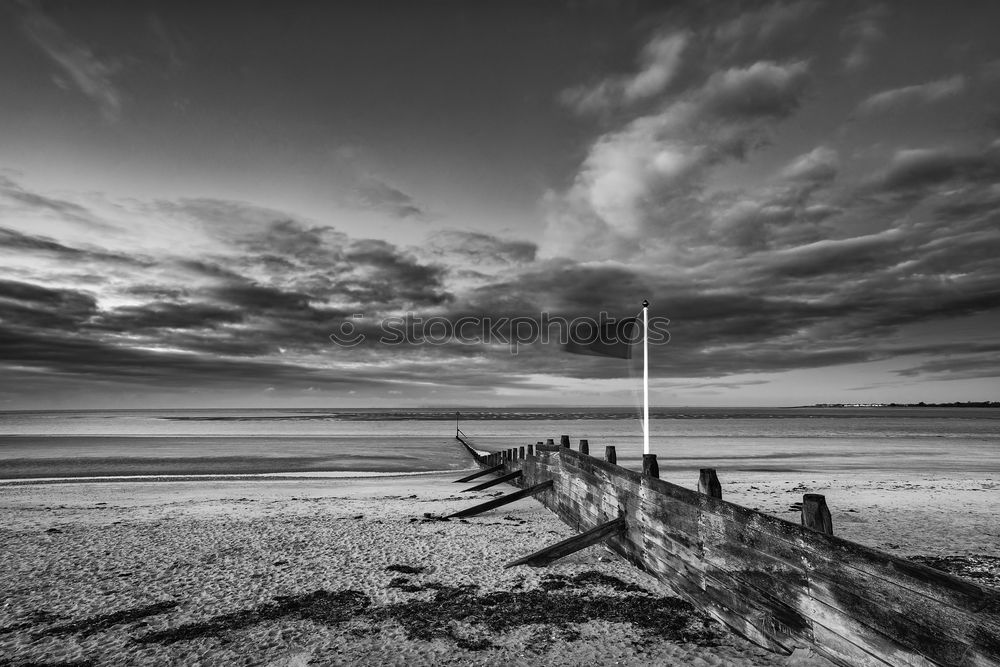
(920, 169)
(65, 354)
(762, 90)
(257, 298)
(480, 247)
(13, 240)
(165, 315)
(33, 306)
(394, 275)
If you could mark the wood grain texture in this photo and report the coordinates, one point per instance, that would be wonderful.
(779, 584)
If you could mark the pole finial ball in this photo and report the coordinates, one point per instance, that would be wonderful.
(645, 304)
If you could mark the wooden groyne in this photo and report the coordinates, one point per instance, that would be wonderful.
(781, 585)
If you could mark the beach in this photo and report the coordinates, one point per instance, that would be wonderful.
(285, 571)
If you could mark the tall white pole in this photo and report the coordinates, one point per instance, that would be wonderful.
(645, 377)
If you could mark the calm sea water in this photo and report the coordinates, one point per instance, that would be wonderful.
(903, 441)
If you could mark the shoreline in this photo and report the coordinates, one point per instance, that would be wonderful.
(209, 477)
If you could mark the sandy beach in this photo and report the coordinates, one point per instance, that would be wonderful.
(262, 571)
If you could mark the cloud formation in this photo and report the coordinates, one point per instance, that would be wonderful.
(91, 75)
(777, 230)
(379, 195)
(658, 65)
(644, 179)
(863, 31)
(925, 93)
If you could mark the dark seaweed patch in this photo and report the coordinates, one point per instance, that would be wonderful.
(319, 606)
(552, 582)
(95, 624)
(498, 612)
(460, 614)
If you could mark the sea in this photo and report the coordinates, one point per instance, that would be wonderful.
(902, 442)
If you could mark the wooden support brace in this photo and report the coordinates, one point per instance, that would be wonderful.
(501, 501)
(572, 545)
(493, 482)
(474, 475)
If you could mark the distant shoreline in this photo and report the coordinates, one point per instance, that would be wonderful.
(955, 404)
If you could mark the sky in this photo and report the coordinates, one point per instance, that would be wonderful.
(361, 204)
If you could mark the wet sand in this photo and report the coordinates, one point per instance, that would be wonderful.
(359, 571)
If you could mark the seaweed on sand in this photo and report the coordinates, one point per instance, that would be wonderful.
(101, 622)
(462, 615)
(498, 612)
(320, 606)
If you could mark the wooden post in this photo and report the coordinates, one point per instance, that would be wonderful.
(609, 454)
(585, 446)
(531, 450)
(649, 466)
(564, 441)
(815, 513)
(708, 483)
(520, 453)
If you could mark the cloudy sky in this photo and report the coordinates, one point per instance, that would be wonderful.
(195, 196)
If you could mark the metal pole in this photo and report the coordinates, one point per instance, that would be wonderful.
(645, 377)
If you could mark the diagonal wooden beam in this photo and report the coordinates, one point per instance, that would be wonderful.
(501, 501)
(597, 534)
(493, 482)
(474, 475)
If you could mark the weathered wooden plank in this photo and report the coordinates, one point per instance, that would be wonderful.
(571, 545)
(475, 475)
(937, 631)
(797, 548)
(501, 501)
(493, 482)
(935, 585)
(835, 647)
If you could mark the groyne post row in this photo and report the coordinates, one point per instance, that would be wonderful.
(780, 584)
